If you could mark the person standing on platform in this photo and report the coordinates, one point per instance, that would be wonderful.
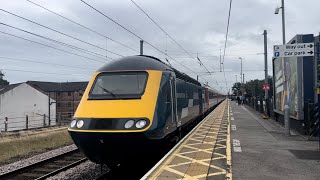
(242, 100)
(238, 100)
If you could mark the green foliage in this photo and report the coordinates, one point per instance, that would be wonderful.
(3, 81)
(252, 88)
(236, 88)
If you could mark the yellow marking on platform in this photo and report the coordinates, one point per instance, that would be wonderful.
(193, 158)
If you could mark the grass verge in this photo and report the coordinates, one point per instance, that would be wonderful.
(21, 147)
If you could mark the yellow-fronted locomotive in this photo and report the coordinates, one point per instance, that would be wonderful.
(132, 104)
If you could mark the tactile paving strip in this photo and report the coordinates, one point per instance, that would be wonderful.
(193, 157)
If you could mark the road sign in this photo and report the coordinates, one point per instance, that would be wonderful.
(265, 86)
(290, 50)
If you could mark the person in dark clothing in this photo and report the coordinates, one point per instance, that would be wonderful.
(238, 100)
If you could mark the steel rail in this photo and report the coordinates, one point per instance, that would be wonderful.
(51, 161)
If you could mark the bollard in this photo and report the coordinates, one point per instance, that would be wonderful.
(44, 120)
(6, 124)
(60, 118)
(27, 122)
(261, 106)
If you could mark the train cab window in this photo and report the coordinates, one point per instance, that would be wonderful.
(119, 85)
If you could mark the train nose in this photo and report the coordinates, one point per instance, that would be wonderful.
(105, 147)
(109, 124)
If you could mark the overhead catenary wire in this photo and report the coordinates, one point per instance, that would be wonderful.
(226, 40)
(85, 27)
(35, 42)
(169, 35)
(137, 36)
(59, 42)
(46, 63)
(39, 72)
(59, 32)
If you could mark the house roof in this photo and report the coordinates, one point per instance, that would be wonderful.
(58, 86)
(6, 88)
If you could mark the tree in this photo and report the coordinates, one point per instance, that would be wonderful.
(253, 88)
(236, 88)
(3, 81)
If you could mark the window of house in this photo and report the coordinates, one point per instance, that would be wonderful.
(58, 104)
(69, 93)
(69, 104)
(58, 94)
(70, 115)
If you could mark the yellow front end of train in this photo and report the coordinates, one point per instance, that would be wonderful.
(104, 101)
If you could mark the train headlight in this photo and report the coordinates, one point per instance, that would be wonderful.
(141, 123)
(129, 124)
(73, 123)
(80, 123)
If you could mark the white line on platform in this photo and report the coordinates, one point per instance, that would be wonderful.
(233, 127)
(236, 142)
(237, 149)
(232, 118)
(236, 145)
(231, 114)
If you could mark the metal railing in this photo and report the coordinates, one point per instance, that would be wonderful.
(312, 119)
(34, 121)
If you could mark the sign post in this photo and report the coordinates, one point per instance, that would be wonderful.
(290, 50)
(265, 86)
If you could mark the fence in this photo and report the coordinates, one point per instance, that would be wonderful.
(34, 121)
(312, 119)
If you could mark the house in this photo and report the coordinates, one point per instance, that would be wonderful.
(23, 107)
(67, 96)
(34, 104)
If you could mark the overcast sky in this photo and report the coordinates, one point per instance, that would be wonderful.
(198, 26)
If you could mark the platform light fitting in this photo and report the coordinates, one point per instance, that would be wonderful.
(276, 11)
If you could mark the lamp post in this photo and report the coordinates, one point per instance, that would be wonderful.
(241, 70)
(285, 87)
(241, 78)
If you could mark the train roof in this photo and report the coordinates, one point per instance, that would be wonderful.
(142, 62)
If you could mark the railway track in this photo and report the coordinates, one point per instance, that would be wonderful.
(48, 167)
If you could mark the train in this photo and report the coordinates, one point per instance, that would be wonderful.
(134, 105)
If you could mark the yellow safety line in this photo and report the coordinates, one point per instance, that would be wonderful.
(201, 132)
(228, 150)
(165, 163)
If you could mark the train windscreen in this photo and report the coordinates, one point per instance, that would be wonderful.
(119, 85)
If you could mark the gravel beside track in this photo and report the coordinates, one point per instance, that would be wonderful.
(85, 171)
(35, 159)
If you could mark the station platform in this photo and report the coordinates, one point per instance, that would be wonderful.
(261, 150)
(234, 142)
(203, 153)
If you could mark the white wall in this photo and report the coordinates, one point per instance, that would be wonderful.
(25, 100)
